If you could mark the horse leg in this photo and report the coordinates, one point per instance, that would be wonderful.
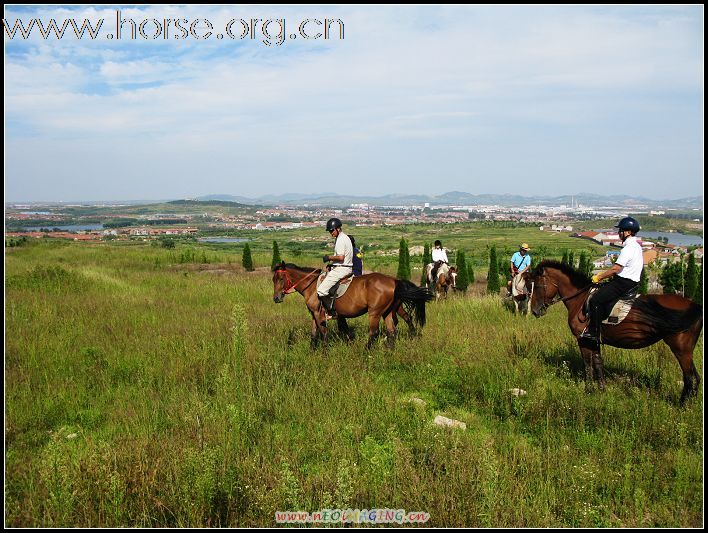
(599, 368)
(344, 328)
(314, 334)
(407, 318)
(589, 354)
(390, 330)
(321, 326)
(374, 319)
(682, 345)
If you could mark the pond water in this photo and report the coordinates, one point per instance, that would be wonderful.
(677, 239)
(222, 239)
(80, 227)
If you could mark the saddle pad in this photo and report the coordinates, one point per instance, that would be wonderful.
(341, 286)
(619, 311)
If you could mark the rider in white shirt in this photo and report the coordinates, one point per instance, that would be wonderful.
(625, 274)
(439, 257)
(342, 263)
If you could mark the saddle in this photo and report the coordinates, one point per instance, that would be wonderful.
(340, 287)
(620, 309)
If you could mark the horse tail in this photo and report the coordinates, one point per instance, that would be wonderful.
(667, 320)
(414, 298)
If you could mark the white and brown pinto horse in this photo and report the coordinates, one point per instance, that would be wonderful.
(520, 294)
(445, 278)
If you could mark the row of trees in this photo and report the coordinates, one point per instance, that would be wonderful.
(675, 278)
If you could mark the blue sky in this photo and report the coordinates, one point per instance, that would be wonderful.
(419, 99)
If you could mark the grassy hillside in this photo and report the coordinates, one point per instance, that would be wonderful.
(145, 391)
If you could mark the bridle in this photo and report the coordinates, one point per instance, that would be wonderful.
(291, 287)
(557, 298)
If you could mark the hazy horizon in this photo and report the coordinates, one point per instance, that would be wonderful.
(528, 100)
(332, 194)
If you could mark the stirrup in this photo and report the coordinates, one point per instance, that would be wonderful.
(589, 335)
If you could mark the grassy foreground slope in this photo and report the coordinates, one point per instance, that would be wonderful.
(141, 391)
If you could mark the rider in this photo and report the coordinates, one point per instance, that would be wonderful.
(625, 274)
(439, 257)
(357, 258)
(520, 263)
(341, 265)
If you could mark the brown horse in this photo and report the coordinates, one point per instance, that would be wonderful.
(674, 319)
(377, 294)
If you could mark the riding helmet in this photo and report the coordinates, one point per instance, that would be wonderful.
(628, 224)
(333, 223)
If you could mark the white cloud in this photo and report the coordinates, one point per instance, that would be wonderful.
(423, 74)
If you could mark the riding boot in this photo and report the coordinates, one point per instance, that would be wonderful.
(592, 331)
(328, 303)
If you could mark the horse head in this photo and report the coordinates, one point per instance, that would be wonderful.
(543, 289)
(453, 277)
(281, 281)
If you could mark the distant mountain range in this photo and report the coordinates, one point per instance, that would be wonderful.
(461, 198)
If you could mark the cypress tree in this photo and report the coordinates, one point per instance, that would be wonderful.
(644, 282)
(404, 265)
(571, 259)
(582, 260)
(461, 264)
(493, 274)
(670, 278)
(427, 258)
(564, 260)
(276, 256)
(247, 259)
(691, 277)
(698, 294)
(470, 272)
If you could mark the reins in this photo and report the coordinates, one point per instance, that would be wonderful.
(546, 305)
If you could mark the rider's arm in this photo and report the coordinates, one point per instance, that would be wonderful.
(608, 273)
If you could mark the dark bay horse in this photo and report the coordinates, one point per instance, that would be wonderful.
(377, 294)
(674, 319)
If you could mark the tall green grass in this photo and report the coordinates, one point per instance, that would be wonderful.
(145, 391)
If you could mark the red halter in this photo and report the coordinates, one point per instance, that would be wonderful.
(290, 287)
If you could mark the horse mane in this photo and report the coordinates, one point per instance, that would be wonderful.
(304, 270)
(576, 278)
